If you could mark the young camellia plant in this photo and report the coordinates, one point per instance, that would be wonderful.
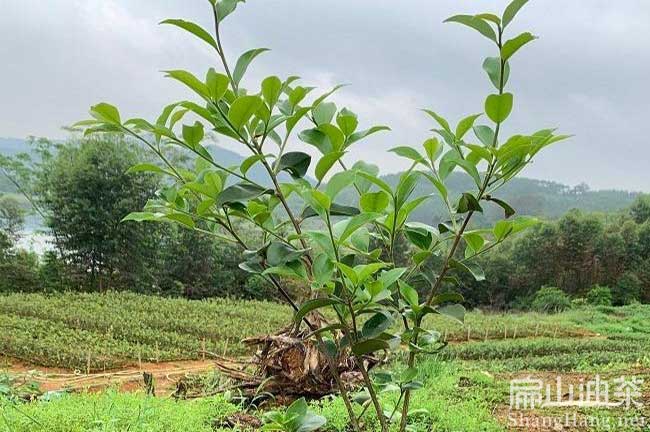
(369, 295)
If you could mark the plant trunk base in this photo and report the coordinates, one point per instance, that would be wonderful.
(289, 366)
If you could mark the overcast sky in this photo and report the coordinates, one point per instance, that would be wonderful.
(587, 74)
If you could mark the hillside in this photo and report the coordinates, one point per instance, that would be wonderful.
(528, 196)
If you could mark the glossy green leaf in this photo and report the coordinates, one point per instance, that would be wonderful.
(324, 112)
(374, 202)
(271, 89)
(325, 164)
(193, 28)
(485, 134)
(408, 153)
(347, 121)
(225, 7)
(240, 192)
(376, 325)
(507, 208)
(492, 66)
(511, 10)
(242, 109)
(456, 312)
(338, 182)
(498, 107)
(190, 81)
(476, 23)
(441, 121)
(106, 113)
(193, 134)
(295, 163)
(243, 62)
(370, 346)
(355, 223)
(513, 45)
(217, 84)
(358, 136)
(409, 294)
(279, 253)
(464, 125)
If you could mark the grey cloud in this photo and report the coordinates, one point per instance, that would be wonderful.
(586, 74)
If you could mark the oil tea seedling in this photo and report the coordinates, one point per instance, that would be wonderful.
(347, 254)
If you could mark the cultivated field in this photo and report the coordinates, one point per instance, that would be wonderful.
(468, 384)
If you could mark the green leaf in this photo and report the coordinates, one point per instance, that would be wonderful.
(338, 182)
(147, 167)
(474, 240)
(498, 107)
(225, 7)
(476, 23)
(335, 210)
(408, 153)
(217, 84)
(240, 192)
(376, 325)
(242, 109)
(271, 90)
(106, 113)
(347, 122)
(464, 125)
(248, 163)
(485, 134)
(311, 305)
(357, 136)
(244, 61)
(468, 203)
(441, 121)
(355, 223)
(409, 294)
(509, 211)
(433, 147)
(324, 112)
(419, 234)
(279, 253)
(141, 217)
(470, 267)
(195, 29)
(295, 163)
(325, 164)
(181, 218)
(370, 346)
(193, 134)
(513, 45)
(389, 277)
(502, 229)
(456, 312)
(323, 268)
(374, 202)
(334, 135)
(190, 81)
(492, 66)
(511, 11)
(316, 138)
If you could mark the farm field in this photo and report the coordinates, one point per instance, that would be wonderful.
(117, 332)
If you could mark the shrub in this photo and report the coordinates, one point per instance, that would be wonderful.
(551, 299)
(627, 289)
(335, 259)
(600, 296)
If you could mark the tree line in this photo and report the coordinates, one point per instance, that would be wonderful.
(83, 188)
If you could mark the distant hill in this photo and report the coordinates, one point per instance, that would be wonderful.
(528, 196)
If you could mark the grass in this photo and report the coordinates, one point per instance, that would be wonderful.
(113, 412)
